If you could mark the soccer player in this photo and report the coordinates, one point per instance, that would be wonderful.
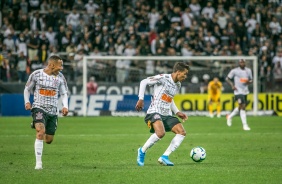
(159, 116)
(242, 78)
(48, 83)
(214, 92)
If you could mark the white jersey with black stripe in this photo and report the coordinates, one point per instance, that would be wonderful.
(46, 90)
(241, 76)
(164, 91)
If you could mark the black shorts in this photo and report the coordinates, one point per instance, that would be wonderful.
(168, 121)
(50, 121)
(241, 99)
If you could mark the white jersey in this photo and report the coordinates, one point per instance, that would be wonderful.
(240, 78)
(47, 89)
(164, 91)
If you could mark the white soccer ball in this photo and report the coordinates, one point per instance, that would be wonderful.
(198, 154)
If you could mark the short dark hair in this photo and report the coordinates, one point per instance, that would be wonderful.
(180, 66)
(55, 58)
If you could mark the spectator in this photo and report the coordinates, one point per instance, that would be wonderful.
(195, 8)
(33, 43)
(92, 86)
(122, 70)
(222, 19)
(208, 11)
(91, 8)
(5, 70)
(153, 18)
(21, 44)
(34, 5)
(187, 18)
(35, 64)
(275, 29)
(44, 6)
(73, 19)
(277, 75)
(51, 35)
(36, 22)
(9, 42)
(277, 58)
(22, 68)
(42, 55)
(24, 7)
(79, 5)
(251, 25)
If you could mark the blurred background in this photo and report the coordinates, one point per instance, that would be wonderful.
(33, 30)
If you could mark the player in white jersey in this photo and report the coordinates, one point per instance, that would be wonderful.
(242, 78)
(48, 84)
(159, 116)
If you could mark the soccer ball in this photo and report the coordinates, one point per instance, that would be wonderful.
(198, 154)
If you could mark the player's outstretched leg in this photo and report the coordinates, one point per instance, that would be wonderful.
(142, 150)
(230, 116)
(140, 157)
(174, 144)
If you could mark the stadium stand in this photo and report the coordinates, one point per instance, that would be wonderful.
(33, 30)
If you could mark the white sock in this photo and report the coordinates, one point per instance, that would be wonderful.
(233, 113)
(243, 117)
(174, 144)
(150, 142)
(38, 148)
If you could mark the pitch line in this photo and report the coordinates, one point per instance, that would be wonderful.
(123, 135)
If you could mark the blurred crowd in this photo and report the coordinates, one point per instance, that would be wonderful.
(33, 30)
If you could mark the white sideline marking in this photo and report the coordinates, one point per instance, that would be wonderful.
(122, 135)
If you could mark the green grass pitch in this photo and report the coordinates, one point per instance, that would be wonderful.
(104, 149)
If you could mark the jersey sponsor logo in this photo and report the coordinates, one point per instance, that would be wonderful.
(39, 115)
(47, 92)
(243, 80)
(166, 98)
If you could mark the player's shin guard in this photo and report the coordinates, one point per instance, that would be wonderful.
(243, 117)
(150, 142)
(38, 148)
(174, 144)
(233, 113)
